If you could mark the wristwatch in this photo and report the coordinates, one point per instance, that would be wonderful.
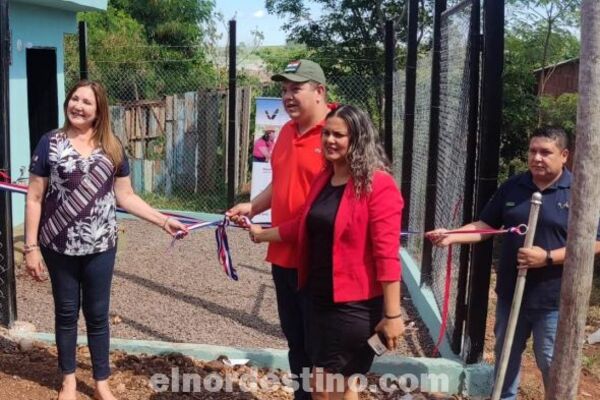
(549, 260)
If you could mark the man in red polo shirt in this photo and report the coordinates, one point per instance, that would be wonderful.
(295, 161)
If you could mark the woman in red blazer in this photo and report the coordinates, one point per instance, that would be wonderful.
(348, 237)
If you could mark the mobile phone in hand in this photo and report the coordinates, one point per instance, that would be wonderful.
(377, 343)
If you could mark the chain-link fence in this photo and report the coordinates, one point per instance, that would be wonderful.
(4, 278)
(172, 119)
(450, 167)
(420, 162)
(363, 91)
(399, 88)
(455, 89)
(7, 282)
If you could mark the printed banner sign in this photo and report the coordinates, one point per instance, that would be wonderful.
(270, 117)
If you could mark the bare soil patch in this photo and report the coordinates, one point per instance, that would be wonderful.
(174, 294)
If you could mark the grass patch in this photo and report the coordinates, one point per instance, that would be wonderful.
(593, 317)
(590, 362)
(212, 203)
(207, 202)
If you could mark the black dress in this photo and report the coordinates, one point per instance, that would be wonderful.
(337, 332)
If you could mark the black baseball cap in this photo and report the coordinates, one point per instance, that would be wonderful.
(301, 71)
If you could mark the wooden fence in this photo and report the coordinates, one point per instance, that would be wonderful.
(179, 144)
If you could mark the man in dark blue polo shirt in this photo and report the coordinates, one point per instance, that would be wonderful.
(509, 208)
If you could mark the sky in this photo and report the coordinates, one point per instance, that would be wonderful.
(250, 15)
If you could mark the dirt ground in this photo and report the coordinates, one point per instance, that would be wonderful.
(531, 379)
(180, 295)
(171, 294)
(31, 374)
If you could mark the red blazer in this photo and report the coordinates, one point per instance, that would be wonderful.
(366, 238)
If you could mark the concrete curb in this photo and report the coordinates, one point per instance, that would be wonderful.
(445, 375)
(428, 374)
(424, 300)
(476, 379)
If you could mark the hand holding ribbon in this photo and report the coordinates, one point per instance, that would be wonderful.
(445, 238)
(175, 228)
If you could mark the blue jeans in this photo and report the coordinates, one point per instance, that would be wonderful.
(292, 307)
(81, 281)
(542, 323)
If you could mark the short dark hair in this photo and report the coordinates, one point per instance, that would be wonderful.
(553, 133)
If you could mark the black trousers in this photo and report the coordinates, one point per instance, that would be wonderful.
(292, 306)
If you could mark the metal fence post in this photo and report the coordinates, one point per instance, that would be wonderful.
(434, 133)
(232, 116)
(83, 63)
(8, 298)
(487, 179)
(409, 106)
(469, 190)
(390, 53)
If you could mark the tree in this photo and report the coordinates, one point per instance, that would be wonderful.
(560, 111)
(170, 22)
(583, 221)
(347, 40)
(143, 49)
(176, 28)
(116, 45)
(547, 17)
(277, 57)
(525, 44)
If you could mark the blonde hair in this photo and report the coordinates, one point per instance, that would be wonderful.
(103, 135)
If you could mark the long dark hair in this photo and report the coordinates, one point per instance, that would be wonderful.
(365, 153)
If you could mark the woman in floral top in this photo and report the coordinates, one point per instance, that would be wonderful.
(78, 175)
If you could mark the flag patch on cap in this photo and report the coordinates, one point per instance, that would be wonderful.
(292, 67)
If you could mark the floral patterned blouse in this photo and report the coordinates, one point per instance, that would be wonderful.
(79, 210)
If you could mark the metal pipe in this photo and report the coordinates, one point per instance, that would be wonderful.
(536, 202)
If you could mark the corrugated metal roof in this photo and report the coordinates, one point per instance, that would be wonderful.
(569, 61)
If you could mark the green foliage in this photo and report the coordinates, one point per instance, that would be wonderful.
(277, 57)
(347, 40)
(520, 104)
(539, 33)
(560, 111)
(117, 48)
(349, 30)
(560, 13)
(155, 149)
(215, 202)
(170, 22)
(143, 49)
(112, 35)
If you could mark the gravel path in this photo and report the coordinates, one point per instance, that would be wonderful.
(181, 294)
